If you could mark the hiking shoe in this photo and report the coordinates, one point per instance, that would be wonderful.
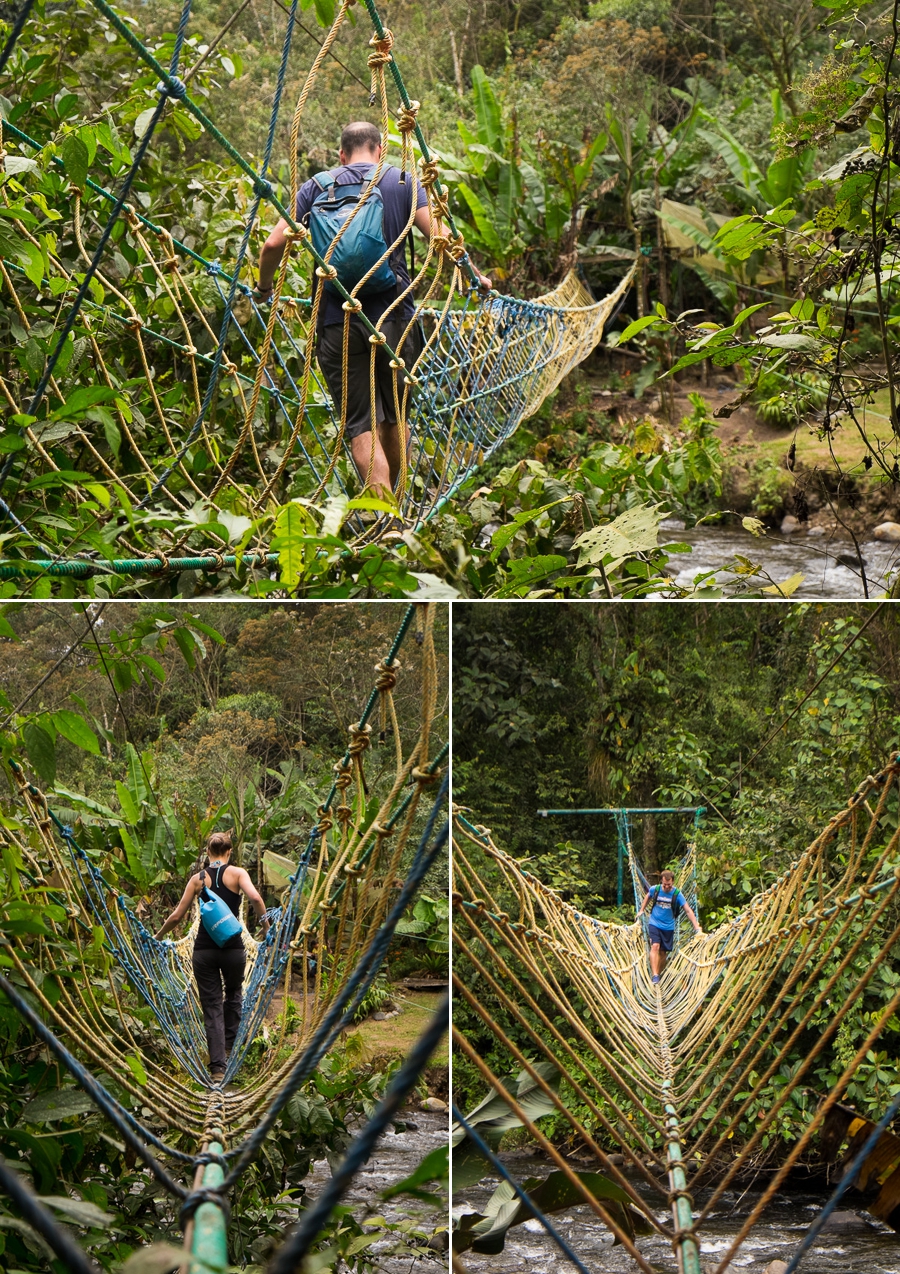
(655, 978)
(217, 1076)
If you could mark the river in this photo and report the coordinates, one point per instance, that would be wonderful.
(855, 1243)
(828, 566)
(395, 1157)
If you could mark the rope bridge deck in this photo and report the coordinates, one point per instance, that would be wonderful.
(331, 932)
(671, 1073)
(157, 385)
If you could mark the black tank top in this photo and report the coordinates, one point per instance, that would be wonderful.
(215, 885)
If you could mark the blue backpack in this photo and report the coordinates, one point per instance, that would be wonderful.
(216, 916)
(364, 243)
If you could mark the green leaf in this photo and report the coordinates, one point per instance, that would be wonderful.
(33, 262)
(59, 1103)
(434, 1167)
(129, 805)
(79, 1211)
(638, 326)
(41, 749)
(74, 155)
(136, 1067)
(634, 531)
(74, 728)
(504, 534)
(160, 1258)
(292, 524)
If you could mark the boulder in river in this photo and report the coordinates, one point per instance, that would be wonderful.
(887, 531)
(776, 1267)
(789, 524)
(845, 1223)
(434, 1103)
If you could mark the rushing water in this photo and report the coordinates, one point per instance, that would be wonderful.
(394, 1158)
(854, 1243)
(828, 565)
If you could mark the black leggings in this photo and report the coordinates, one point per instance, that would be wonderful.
(214, 967)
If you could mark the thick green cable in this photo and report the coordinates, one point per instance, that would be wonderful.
(130, 566)
(380, 31)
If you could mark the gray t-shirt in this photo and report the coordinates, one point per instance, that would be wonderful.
(397, 199)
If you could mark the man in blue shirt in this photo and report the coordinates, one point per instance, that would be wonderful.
(663, 919)
(360, 151)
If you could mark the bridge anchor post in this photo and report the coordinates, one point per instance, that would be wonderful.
(687, 1247)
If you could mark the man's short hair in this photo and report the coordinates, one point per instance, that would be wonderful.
(667, 871)
(360, 136)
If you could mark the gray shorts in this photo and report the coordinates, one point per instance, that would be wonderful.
(329, 351)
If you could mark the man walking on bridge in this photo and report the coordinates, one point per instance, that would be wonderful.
(667, 905)
(331, 197)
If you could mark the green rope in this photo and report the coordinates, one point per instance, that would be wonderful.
(132, 566)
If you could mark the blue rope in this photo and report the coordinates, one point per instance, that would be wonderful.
(261, 189)
(844, 1185)
(484, 1149)
(290, 1255)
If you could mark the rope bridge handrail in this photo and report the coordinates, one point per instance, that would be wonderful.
(231, 413)
(669, 1074)
(330, 935)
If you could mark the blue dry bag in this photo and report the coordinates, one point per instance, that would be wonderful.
(217, 918)
(363, 244)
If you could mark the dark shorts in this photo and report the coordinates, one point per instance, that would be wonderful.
(664, 937)
(329, 351)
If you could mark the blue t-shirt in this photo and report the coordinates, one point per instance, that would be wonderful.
(397, 199)
(661, 912)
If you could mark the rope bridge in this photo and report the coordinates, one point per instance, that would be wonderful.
(166, 391)
(330, 934)
(671, 1075)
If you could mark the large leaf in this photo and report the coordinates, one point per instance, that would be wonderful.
(434, 1167)
(493, 1117)
(60, 1103)
(486, 1232)
(74, 728)
(634, 531)
(79, 1211)
(278, 869)
(41, 748)
(487, 109)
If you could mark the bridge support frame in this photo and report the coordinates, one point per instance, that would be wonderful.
(687, 1247)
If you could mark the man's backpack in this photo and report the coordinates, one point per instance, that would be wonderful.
(363, 245)
(676, 905)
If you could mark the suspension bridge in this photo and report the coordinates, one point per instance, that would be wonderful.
(348, 890)
(167, 402)
(669, 1086)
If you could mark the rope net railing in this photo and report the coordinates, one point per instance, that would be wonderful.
(365, 859)
(167, 391)
(674, 1077)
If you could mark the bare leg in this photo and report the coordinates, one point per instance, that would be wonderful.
(654, 959)
(361, 450)
(661, 960)
(389, 436)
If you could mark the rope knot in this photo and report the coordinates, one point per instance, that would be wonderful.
(301, 233)
(343, 776)
(198, 1197)
(326, 271)
(387, 676)
(353, 306)
(326, 822)
(406, 117)
(360, 738)
(378, 338)
(263, 188)
(381, 830)
(429, 169)
(424, 777)
(381, 50)
(173, 87)
(457, 249)
(164, 566)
